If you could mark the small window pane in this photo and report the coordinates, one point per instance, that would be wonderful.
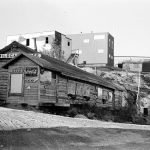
(86, 41)
(100, 50)
(27, 42)
(16, 83)
(68, 43)
(99, 37)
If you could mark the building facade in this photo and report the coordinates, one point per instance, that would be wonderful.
(133, 63)
(52, 43)
(94, 49)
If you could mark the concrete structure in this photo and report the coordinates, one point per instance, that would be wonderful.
(133, 63)
(122, 59)
(94, 49)
(45, 42)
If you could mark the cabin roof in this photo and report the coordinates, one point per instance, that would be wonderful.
(16, 44)
(63, 68)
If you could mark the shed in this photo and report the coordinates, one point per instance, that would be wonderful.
(47, 81)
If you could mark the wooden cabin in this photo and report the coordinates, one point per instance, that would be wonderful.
(6, 54)
(12, 50)
(42, 80)
(36, 79)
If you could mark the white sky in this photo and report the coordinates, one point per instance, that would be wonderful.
(127, 20)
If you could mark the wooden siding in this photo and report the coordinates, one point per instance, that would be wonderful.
(62, 94)
(3, 61)
(48, 92)
(3, 85)
(62, 91)
(30, 87)
(118, 99)
(77, 92)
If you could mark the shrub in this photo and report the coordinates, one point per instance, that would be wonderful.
(72, 112)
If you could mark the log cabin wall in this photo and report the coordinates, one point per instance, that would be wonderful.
(3, 85)
(21, 72)
(71, 91)
(31, 84)
(118, 99)
(62, 91)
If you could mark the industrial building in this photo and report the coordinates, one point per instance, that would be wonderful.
(94, 49)
(52, 43)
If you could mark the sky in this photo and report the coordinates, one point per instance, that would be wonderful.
(127, 20)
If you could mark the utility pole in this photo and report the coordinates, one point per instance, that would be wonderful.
(138, 92)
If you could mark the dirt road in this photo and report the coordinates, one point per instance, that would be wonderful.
(28, 130)
(11, 119)
(64, 138)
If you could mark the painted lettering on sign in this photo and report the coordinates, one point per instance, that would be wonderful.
(31, 71)
(17, 70)
(10, 55)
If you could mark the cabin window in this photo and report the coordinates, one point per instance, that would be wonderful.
(105, 96)
(46, 76)
(110, 96)
(53, 75)
(27, 42)
(16, 83)
(100, 93)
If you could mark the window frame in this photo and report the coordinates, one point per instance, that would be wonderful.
(22, 87)
(68, 43)
(27, 42)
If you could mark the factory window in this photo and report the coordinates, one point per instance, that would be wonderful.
(109, 42)
(109, 56)
(78, 51)
(86, 41)
(27, 42)
(112, 46)
(100, 51)
(68, 43)
(99, 37)
(46, 40)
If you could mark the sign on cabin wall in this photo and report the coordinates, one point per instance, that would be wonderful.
(12, 55)
(17, 70)
(9, 55)
(31, 79)
(31, 71)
